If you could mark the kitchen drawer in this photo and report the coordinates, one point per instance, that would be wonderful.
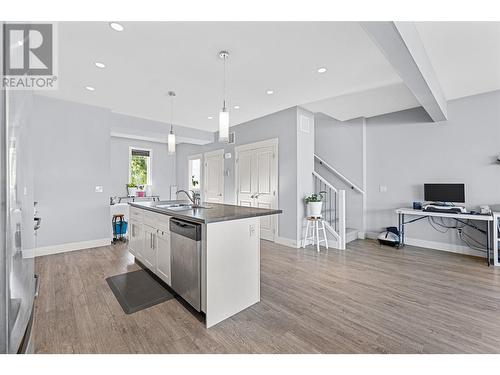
(164, 224)
(156, 220)
(136, 214)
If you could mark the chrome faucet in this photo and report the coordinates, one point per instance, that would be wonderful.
(195, 199)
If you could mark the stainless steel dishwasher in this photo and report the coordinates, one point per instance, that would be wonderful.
(185, 242)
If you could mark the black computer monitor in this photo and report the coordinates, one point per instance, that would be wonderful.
(444, 193)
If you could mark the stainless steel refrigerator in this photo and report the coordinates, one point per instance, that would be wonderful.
(17, 241)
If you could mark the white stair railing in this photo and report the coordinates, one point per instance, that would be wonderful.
(333, 210)
(339, 175)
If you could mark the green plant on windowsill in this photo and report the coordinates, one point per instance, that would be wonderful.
(131, 185)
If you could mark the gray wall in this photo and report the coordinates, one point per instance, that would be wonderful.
(74, 153)
(281, 125)
(305, 166)
(405, 150)
(72, 156)
(143, 127)
(163, 166)
(340, 144)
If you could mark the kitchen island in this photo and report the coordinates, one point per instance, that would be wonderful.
(220, 275)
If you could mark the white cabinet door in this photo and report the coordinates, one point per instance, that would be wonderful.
(136, 242)
(163, 256)
(214, 177)
(265, 188)
(149, 256)
(257, 184)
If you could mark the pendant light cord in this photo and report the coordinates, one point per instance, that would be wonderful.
(171, 114)
(224, 87)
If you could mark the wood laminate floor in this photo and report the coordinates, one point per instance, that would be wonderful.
(367, 299)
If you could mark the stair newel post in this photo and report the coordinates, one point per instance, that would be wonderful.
(342, 224)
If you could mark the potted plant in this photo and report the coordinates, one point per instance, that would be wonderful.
(315, 203)
(140, 191)
(194, 181)
(132, 189)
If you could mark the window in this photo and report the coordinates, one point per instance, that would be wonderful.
(140, 166)
(194, 173)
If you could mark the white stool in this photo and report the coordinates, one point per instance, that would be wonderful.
(317, 224)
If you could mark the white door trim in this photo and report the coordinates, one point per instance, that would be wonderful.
(202, 174)
(204, 160)
(250, 146)
(272, 142)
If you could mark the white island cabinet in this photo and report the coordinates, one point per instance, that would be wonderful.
(229, 252)
(150, 241)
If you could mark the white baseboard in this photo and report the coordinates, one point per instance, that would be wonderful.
(65, 247)
(286, 242)
(442, 246)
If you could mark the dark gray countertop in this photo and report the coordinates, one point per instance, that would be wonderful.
(217, 212)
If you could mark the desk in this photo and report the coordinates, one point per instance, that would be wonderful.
(402, 212)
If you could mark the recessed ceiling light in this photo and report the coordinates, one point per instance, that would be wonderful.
(100, 65)
(116, 26)
(322, 70)
(89, 88)
(270, 92)
(236, 107)
(210, 117)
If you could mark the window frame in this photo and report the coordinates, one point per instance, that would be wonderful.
(191, 158)
(149, 164)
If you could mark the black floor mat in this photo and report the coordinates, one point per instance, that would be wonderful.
(137, 290)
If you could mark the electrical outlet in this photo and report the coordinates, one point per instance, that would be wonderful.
(99, 189)
(252, 230)
(383, 189)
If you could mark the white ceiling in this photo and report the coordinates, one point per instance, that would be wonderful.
(465, 55)
(148, 59)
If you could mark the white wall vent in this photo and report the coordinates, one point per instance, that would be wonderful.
(304, 124)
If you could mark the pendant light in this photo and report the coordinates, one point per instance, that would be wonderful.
(171, 135)
(224, 114)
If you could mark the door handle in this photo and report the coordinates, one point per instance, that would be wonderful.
(256, 195)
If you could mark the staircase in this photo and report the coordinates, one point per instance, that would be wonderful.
(334, 206)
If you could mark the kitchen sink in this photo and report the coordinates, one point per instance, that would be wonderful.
(175, 206)
(179, 206)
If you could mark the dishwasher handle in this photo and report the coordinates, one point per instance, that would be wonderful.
(186, 229)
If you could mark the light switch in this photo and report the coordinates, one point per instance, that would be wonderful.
(98, 189)
(383, 189)
(227, 155)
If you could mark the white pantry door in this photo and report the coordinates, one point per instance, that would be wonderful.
(256, 183)
(214, 177)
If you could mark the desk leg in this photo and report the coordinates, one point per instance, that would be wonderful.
(488, 241)
(401, 229)
(494, 228)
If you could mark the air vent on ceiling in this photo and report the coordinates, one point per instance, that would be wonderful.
(232, 138)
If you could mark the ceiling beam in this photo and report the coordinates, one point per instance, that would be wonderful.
(401, 45)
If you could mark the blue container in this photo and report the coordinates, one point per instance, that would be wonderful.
(120, 227)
